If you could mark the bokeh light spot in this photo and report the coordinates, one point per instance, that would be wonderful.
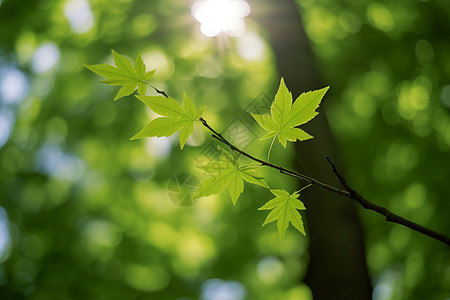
(384, 285)
(399, 238)
(349, 22)
(158, 60)
(147, 279)
(216, 16)
(270, 269)
(363, 104)
(79, 15)
(301, 292)
(161, 235)
(399, 158)
(6, 124)
(13, 159)
(251, 47)
(143, 25)
(53, 161)
(159, 148)
(25, 47)
(45, 58)
(101, 233)
(415, 195)
(323, 25)
(424, 50)
(380, 16)
(445, 96)
(217, 289)
(13, 85)
(194, 249)
(414, 97)
(4, 234)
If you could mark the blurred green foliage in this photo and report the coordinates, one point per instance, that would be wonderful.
(389, 64)
(85, 213)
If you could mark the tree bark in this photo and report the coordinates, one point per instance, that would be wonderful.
(337, 267)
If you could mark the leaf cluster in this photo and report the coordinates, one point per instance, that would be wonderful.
(226, 172)
(175, 117)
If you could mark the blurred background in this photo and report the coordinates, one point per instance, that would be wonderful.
(87, 214)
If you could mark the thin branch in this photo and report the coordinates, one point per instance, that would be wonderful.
(156, 90)
(348, 192)
(283, 170)
(390, 216)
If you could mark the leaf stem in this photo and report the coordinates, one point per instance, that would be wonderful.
(270, 148)
(156, 90)
(304, 188)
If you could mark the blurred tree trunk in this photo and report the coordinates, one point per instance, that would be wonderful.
(337, 268)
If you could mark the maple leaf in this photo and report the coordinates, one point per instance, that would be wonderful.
(284, 209)
(175, 117)
(285, 116)
(124, 74)
(226, 173)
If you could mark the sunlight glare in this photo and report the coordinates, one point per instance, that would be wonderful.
(216, 16)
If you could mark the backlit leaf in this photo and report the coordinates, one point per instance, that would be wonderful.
(285, 117)
(226, 174)
(174, 117)
(284, 209)
(124, 74)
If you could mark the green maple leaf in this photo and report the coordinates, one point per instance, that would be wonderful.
(284, 209)
(175, 117)
(285, 116)
(124, 74)
(226, 173)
